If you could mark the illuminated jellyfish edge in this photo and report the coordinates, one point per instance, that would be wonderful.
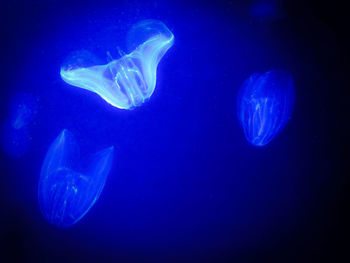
(70, 77)
(44, 174)
(110, 153)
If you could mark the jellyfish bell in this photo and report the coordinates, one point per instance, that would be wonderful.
(66, 191)
(265, 105)
(129, 81)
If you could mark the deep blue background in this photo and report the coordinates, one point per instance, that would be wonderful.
(185, 185)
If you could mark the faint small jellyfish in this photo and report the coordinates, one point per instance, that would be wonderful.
(130, 80)
(15, 136)
(267, 10)
(265, 105)
(23, 110)
(66, 193)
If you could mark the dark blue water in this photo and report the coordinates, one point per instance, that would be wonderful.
(185, 185)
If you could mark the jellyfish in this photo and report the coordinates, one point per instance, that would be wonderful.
(15, 134)
(66, 191)
(23, 109)
(129, 81)
(265, 105)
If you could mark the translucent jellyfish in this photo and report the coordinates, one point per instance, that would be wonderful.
(130, 80)
(65, 192)
(15, 135)
(23, 109)
(265, 105)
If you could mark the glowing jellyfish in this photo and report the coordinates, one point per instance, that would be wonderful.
(265, 105)
(15, 135)
(23, 109)
(66, 194)
(130, 80)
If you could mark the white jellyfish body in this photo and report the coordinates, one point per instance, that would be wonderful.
(130, 80)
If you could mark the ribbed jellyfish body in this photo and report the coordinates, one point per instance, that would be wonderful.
(65, 193)
(129, 81)
(265, 105)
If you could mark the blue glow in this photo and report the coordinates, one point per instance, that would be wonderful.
(23, 110)
(182, 172)
(15, 136)
(65, 194)
(15, 142)
(265, 105)
(130, 80)
(266, 10)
